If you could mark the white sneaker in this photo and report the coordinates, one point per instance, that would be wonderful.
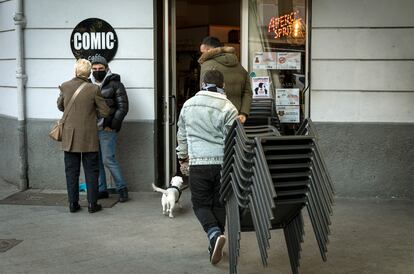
(217, 253)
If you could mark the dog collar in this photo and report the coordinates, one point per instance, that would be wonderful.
(179, 192)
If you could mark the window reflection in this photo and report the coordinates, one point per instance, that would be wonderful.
(277, 50)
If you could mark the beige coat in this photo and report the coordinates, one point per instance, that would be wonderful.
(80, 131)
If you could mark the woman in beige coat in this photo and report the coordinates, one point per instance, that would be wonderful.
(80, 134)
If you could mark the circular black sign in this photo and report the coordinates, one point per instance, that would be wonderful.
(94, 36)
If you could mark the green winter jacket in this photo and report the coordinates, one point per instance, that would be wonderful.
(236, 79)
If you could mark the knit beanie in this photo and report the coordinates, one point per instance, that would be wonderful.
(97, 59)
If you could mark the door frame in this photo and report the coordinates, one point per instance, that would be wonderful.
(165, 162)
(165, 89)
(169, 89)
(159, 64)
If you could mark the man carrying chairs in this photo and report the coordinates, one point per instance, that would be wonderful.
(202, 127)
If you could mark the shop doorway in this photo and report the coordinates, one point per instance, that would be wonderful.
(185, 23)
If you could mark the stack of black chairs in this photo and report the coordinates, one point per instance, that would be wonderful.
(263, 112)
(266, 181)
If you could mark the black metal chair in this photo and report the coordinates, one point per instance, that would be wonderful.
(263, 112)
(267, 179)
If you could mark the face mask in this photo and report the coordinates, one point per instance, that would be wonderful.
(99, 75)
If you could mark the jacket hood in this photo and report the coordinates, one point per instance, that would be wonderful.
(223, 55)
(114, 77)
(109, 77)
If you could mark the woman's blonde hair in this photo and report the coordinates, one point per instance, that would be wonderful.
(82, 68)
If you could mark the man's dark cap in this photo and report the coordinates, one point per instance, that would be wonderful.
(97, 59)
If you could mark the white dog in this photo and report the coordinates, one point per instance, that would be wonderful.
(171, 195)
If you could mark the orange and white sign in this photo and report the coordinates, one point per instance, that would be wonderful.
(285, 25)
(288, 60)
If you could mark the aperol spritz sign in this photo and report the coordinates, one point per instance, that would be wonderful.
(288, 25)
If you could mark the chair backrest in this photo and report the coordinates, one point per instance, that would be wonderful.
(263, 112)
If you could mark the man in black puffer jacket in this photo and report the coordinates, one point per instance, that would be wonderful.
(113, 91)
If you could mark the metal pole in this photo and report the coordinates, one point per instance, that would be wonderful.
(173, 54)
(308, 78)
(244, 43)
(166, 95)
(20, 23)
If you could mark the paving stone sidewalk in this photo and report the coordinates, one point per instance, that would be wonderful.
(368, 236)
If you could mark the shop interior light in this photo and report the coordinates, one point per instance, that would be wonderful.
(296, 26)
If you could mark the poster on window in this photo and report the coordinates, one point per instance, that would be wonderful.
(260, 87)
(288, 114)
(287, 96)
(264, 60)
(288, 60)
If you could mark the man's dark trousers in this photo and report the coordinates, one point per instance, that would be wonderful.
(90, 162)
(205, 196)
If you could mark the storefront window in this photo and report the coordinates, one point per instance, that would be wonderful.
(277, 55)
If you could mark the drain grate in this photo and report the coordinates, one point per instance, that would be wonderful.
(6, 244)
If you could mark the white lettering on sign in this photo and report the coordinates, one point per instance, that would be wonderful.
(109, 40)
(86, 40)
(77, 38)
(93, 40)
(96, 40)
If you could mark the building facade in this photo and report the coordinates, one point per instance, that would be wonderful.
(357, 62)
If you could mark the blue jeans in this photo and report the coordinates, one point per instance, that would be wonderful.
(107, 144)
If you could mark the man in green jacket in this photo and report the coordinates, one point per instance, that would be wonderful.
(223, 59)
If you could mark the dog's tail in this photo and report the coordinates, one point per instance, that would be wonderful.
(157, 189)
